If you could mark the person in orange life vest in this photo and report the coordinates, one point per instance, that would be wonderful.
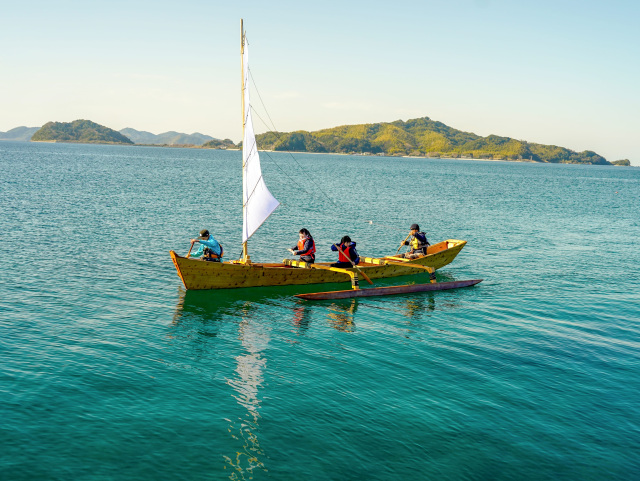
(349, 249)
(306, 247)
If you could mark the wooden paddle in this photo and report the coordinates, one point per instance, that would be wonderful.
(366, 277)
(189, 253)
(402, 243)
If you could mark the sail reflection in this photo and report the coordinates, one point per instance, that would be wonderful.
(201, 317)
(254, 337)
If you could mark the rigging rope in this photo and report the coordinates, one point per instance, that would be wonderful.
(275, 131)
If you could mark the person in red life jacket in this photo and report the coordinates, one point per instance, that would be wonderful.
(349, 249)
(306, 247)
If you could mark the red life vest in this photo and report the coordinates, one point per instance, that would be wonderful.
(347, 251)
(311, 251)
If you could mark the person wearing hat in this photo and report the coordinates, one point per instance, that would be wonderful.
(418, 242)
(346, 250)
(209, 249)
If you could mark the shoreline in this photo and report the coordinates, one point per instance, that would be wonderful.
(191, 146)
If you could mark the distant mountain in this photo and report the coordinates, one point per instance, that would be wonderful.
(167, 138)
(19, 133)
(138, 137)
(83, 131)
(421, 137)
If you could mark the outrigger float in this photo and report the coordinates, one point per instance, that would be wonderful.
(259, 203)
(387, 290)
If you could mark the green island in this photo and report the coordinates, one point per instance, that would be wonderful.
(219, 144)
(623, 162)
(81, 131)
(421, 137)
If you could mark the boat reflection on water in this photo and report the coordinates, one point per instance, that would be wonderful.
(340, 315)
(301, 318)
(234, 329)
(205, 307)
(213, 306)
(417, 306)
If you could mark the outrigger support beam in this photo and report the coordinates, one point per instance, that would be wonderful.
(398, 259)
(305, 265)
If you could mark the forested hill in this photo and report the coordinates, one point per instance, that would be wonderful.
(220, 144)
(83, 131)
(421, 137)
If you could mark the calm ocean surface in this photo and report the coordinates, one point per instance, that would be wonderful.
(110, 370)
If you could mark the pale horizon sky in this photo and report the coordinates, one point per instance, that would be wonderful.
(560, 72)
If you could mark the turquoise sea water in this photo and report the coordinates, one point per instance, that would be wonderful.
(110, 370)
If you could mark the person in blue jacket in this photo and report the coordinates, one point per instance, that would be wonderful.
(349, 251)
(209, 248)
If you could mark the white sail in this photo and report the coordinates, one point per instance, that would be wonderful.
(258, 203)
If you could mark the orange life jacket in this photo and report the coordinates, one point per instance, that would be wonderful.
(347, 251)
(208, 253)
(312, 249)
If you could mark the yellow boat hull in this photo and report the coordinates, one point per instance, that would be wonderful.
(198, 274)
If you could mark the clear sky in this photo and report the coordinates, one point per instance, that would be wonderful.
(559, 72)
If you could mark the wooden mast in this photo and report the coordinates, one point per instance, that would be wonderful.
(245, 253)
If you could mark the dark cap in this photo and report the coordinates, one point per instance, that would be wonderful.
(414, 227)
(204, 233)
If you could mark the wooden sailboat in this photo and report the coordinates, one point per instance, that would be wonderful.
(258, 204)
(198, 274)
